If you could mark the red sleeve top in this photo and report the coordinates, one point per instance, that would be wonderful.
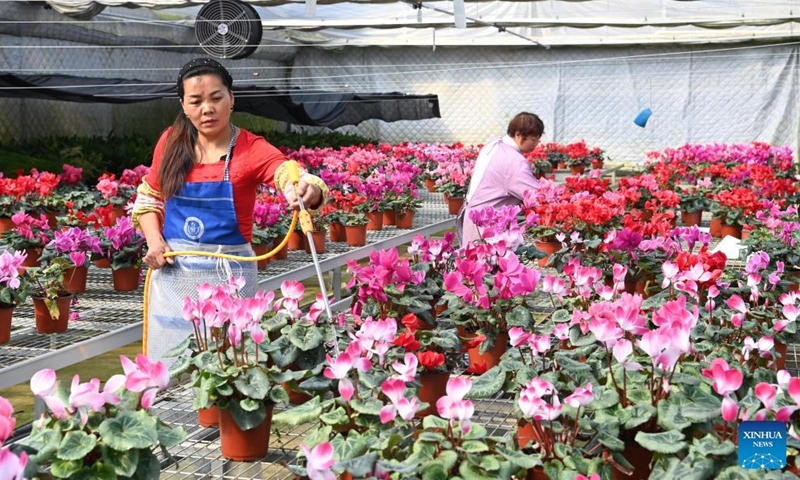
(253, 162)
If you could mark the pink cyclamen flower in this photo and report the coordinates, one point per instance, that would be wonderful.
(729, 409)
(582, 396)
(12, 466)
(319, 461)
(145, 376)
(766, 393)
(726, 380)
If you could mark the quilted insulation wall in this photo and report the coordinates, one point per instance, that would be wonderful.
(703, 94)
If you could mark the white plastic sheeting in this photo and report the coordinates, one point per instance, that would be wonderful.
(589, 22)
(697, 95)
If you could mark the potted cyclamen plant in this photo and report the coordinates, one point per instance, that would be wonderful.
(115, 193)
(406, 204)
(13, 290)
(229, 369)
(123, 245)
(29, 234)
(51, 301)
(733, 207)
(76, 245)
(695, 201)
(89, 433)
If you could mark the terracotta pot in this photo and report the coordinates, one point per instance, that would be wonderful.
(295, 397)
(405, 220)
(297, 241)
(6, 224)
(746, 232)
(781, 349)
(526, 434)
(639, 457)
(597, 164)
(647, 215)
(5, 323)
(491, 358)
(375, 221)
(338, 233)
(734, 231)
(356, 235)
(549, 248)
(562, 165)
(716, 227)
(389, 217)
(32, 260)
(319, 238)
(51, 219)
(577, 169)
(102, 263)
(645, 287)
(75, 279)
(283, 253)
(537, 473)
(433, 387)
(692, 218)
(259, 250)
(454, 204)
(125, 279)
(430, 184)
(243, 445)
(208, 417)
(119, 212)
(47, 324)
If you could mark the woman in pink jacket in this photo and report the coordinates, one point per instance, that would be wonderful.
(502, 174)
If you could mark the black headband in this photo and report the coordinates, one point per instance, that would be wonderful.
(203, 63)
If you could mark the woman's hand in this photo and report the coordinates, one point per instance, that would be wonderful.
(155, 254)
(311, 195)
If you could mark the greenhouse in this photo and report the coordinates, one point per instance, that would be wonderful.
(357, 239)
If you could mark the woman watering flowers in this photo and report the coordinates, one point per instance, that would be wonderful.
(200, 194)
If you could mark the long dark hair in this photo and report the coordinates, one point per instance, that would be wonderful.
(178, 157)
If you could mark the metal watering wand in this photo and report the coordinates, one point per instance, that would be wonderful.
(293, 170)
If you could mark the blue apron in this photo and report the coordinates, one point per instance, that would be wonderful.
(202, 216)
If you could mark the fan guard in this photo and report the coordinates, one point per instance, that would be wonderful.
(228, 29)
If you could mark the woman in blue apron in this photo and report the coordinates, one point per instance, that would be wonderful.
(199, 195)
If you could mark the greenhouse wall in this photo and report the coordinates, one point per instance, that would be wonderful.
(699, 94)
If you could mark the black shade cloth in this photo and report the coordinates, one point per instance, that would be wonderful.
(295, 106)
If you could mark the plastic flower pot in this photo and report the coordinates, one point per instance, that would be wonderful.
(734, 231)
(261, 250)
(577, 169)
(692, 218)
(454, 204)
(486, 361)
(208, 417)
(6, 224)
(46, 323)
(430, 184)
(32, 260)
(389, 217)
(433, 386)
(283, 253)
(75, 279)
(243, 445)
(405, 220)
(375, 221)
(5, 323)
(716, 227)
(338, 233)
(549, 248)
(319, 238)
(297, 241)
(356, 235)
(125, 279)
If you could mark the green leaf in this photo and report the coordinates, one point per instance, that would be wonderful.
(710, 445)
(129, 430)
(474, 446)
(349, 448)
(249, 405)
(254, 383)
(368, 406)
(639, 414)
(300, 414)
(488, 384)
(282, 352)
(181, 366)
(571, 365)
(472, 472)
(670, 413)
(662, 442)
(45, 442)
(611, 442)
(435, 470)
(65, 468)
(431, 437)
(361, 466)
(521, 459)
(433, 422)
(279, 395)
(335, 417)
(168, 436)
(247, 420)
(520, 317)
(490, 463)
(123, 463)
(76, 445)
(448, 459)
(148, 468)
(561, 316)
(305, 336)
(181, 348)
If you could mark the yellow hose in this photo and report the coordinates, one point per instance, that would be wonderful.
(226, 256)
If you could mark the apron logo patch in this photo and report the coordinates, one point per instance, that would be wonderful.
(194, 228)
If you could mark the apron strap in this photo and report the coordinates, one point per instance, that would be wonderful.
(226, 176)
